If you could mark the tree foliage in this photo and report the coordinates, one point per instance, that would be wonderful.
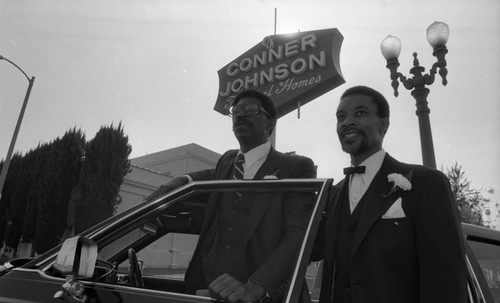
(11, 207)
(36, 190)
(106, 163)
(472, 204)
(19, 197)
(41, 184)
(61, 175)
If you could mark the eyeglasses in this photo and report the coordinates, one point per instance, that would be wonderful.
(250, 109)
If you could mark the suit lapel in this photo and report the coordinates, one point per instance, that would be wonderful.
(376, 205)
(270, 166)
(223, 172)
(260, 203)
(225, 168)
(333, 214)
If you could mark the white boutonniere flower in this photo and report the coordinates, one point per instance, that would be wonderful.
(400, 183)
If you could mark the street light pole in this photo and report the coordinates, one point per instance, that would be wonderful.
(6, 164)
(423, 111)
(437, 36)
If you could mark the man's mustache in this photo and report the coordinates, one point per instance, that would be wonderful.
(349, 130)
(242, 122)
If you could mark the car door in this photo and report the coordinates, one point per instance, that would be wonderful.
(483, 258)
(162, 235)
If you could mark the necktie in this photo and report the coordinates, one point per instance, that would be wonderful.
(354, 170)
(238, 170)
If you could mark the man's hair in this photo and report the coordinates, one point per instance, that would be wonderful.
(265, 101)
(378, 98)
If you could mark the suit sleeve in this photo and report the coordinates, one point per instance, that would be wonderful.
(443, 273)
(203, 175)
(275, 271)
(211, 174)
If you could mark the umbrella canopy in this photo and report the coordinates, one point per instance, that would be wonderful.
(292, 69)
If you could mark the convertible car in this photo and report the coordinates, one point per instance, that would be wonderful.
(141, 255)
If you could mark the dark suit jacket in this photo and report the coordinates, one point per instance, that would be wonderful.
(276, 224)
(419, 258)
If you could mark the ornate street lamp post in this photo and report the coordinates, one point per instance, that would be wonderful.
(6, 164)
(437, 36)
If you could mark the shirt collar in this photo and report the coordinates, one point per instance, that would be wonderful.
(256, 153)
(373, 164)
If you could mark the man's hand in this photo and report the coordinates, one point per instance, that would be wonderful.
(227, 288)
(170, 186)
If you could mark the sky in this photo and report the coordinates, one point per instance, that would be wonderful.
(152, 65)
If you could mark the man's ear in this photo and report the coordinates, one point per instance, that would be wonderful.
(385, 125)
(271, 126)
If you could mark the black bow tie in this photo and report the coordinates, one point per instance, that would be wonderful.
(354, 170)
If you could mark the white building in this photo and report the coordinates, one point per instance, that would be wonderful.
(147, 174)
(150, 171)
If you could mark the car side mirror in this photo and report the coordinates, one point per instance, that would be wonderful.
(77, 257)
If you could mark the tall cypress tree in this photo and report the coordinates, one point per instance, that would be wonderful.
(3, 211)
(59, 177)
(10, 191)
(46, 187)
(106, 163)
(35, 192)
(19, 197)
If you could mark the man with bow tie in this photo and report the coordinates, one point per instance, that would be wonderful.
(249, 242)
(391, 232)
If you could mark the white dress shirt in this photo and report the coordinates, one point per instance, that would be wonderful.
(254, 159)
(359, 183)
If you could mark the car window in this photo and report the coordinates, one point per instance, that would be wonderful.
(488, 257)
(168, 257)
(164, 239)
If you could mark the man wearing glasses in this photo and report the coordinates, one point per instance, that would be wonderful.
(248, 246)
